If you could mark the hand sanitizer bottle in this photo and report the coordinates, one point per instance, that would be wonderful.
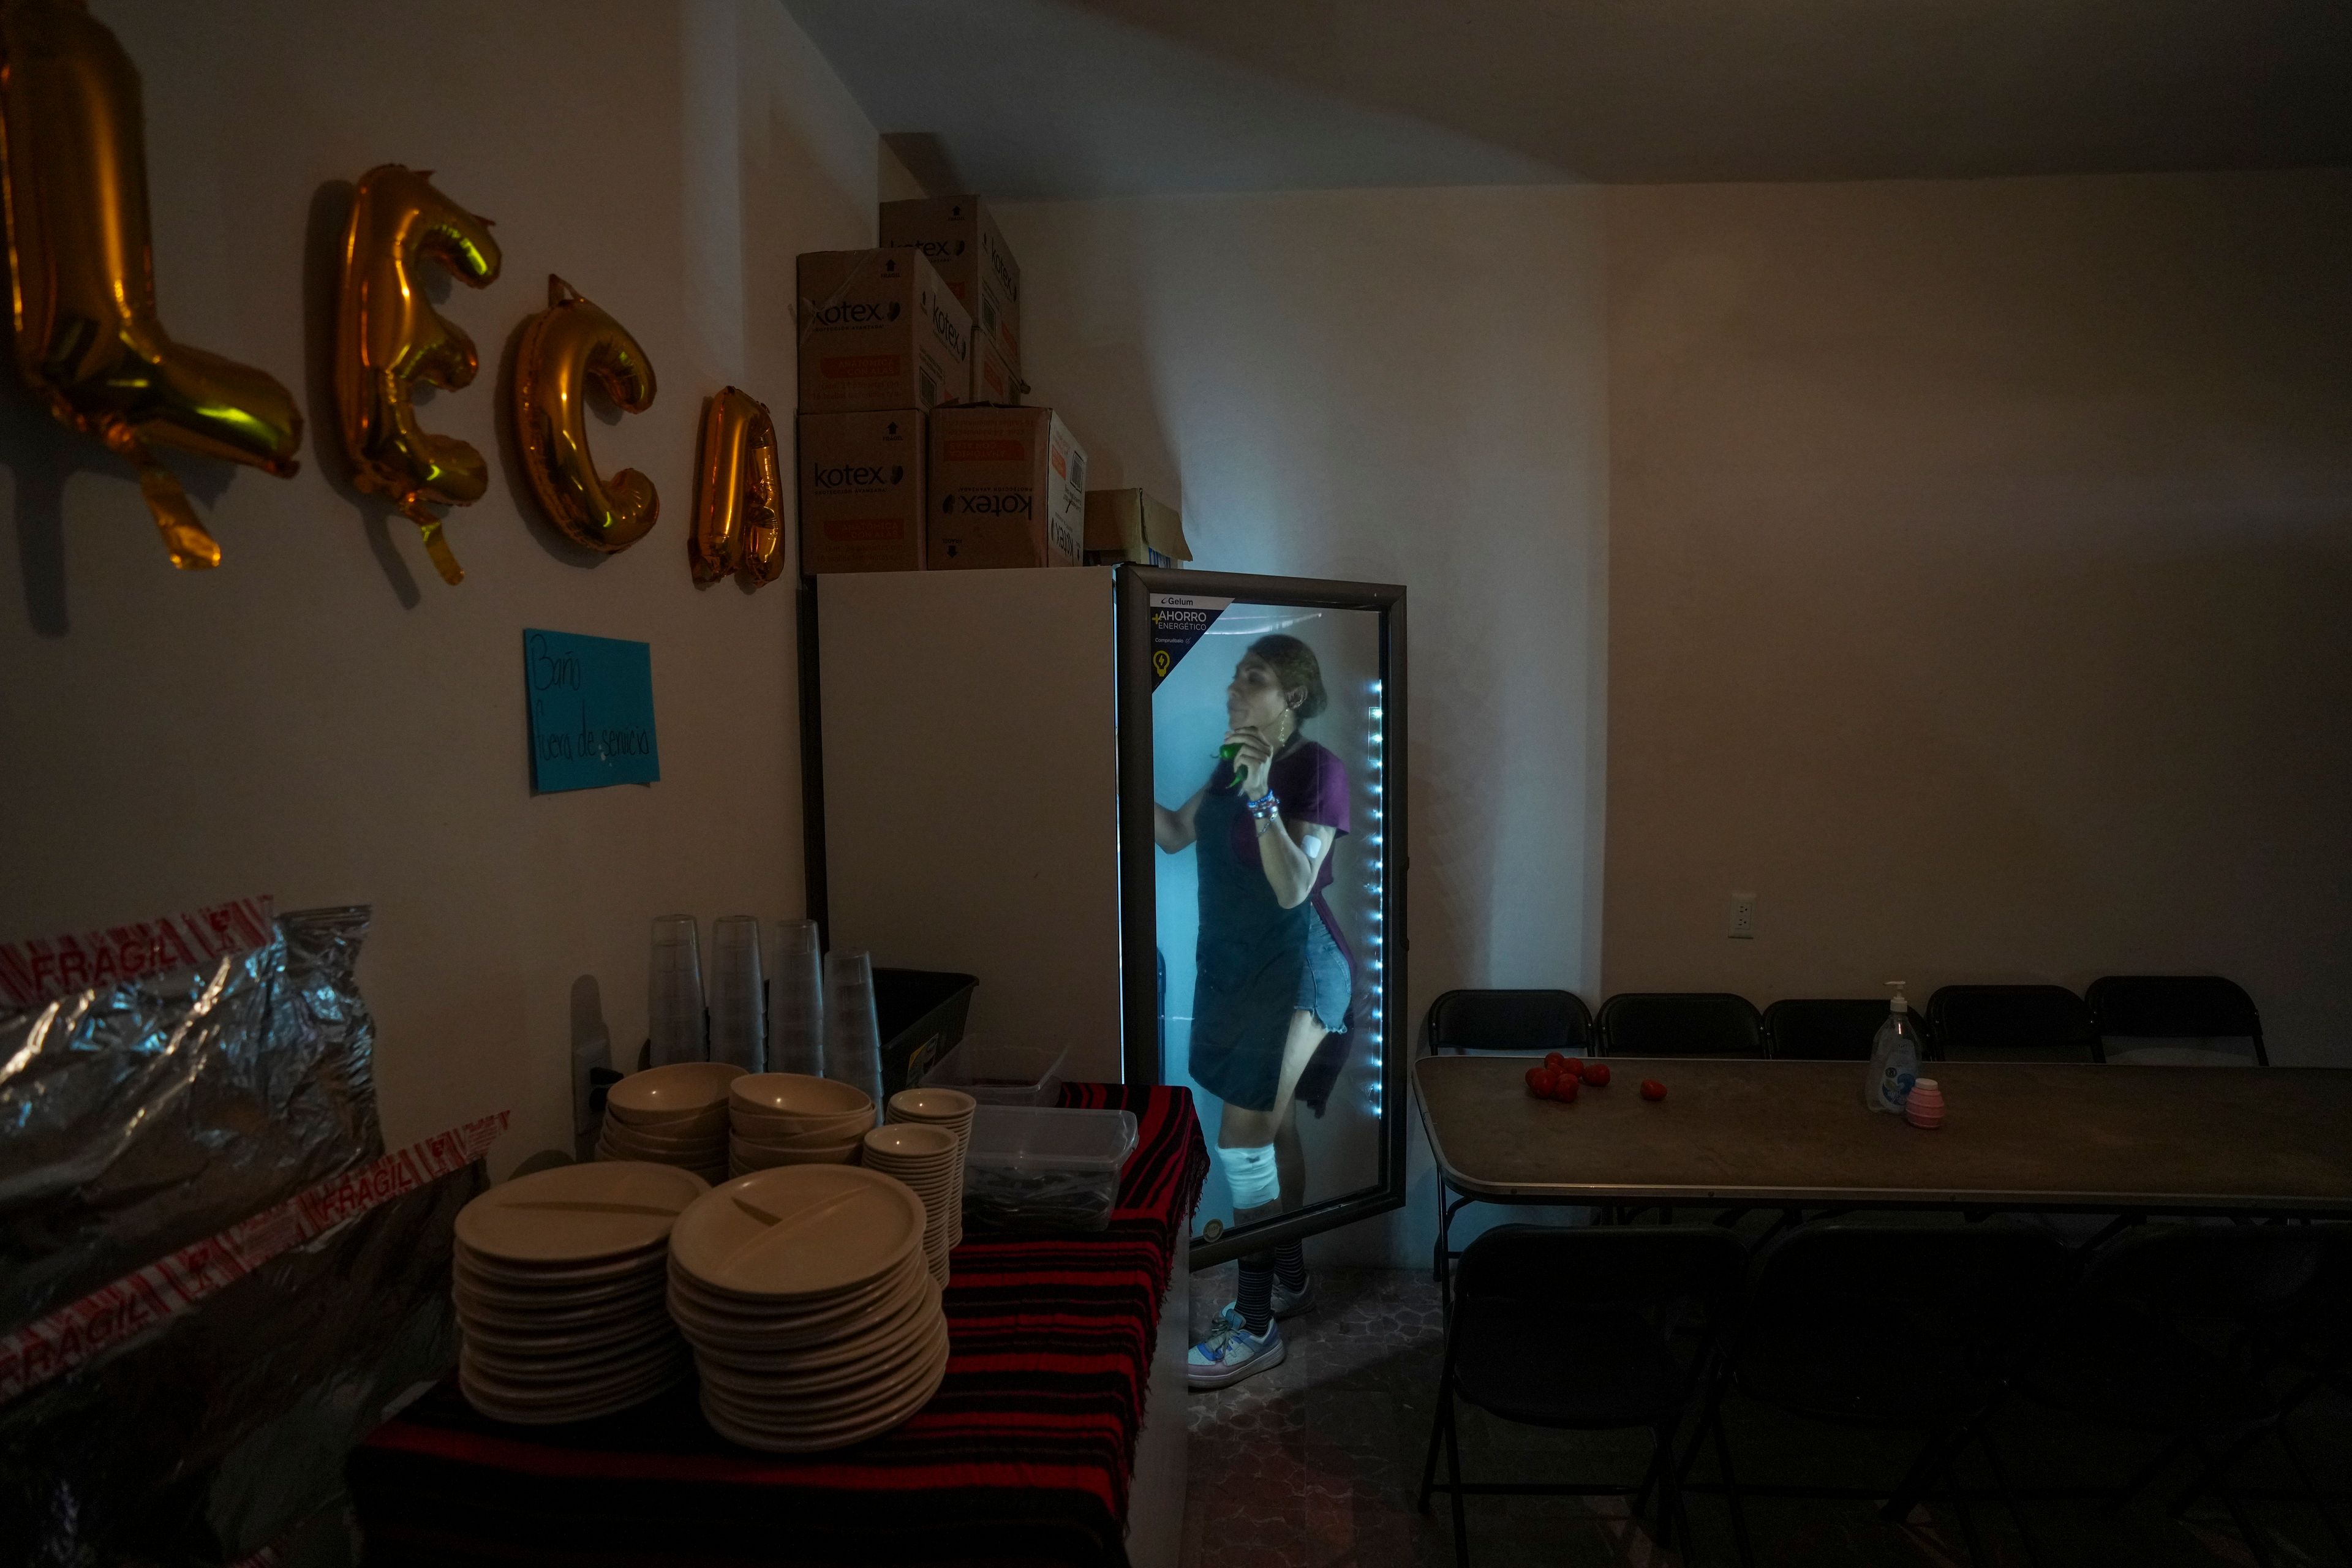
(1894, 1058)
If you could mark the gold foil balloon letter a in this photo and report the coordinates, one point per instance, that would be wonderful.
(388, 337)
(565, 347)
(88, 338)
(738, 523)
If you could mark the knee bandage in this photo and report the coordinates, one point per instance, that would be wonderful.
(1251, 1174)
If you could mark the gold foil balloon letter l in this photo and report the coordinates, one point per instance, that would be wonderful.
(88, 338)
(563, 349)
(388, 337)
(739, 524)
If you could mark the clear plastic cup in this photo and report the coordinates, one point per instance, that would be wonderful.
(853, 1038)
(674, 1020)
(796, 1018)
(738, 994)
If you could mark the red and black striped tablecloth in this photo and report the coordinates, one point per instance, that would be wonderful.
(1023, 1457)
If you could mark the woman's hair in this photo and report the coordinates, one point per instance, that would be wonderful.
(1294, 665)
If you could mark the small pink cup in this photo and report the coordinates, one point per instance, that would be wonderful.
(1925, 1106)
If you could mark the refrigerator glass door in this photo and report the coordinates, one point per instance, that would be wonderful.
(1270, 727)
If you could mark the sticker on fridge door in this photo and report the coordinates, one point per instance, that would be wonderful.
(1178, 621)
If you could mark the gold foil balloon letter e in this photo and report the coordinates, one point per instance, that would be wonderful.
(388, 337)
(565, 348)
(739, 523)
(88, 338)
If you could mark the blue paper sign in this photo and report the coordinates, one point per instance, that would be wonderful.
(592, 712)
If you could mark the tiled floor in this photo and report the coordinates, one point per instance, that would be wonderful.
(1316, 1464)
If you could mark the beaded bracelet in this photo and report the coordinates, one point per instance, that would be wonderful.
(1264, 808)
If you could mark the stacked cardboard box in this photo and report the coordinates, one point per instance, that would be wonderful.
(1129, 525)
(958, 234)
(883, 340)
(914, 448)
(1008, 488)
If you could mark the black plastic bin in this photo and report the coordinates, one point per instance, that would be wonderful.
(919, 1014)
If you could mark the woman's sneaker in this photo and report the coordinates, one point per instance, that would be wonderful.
(1287, 1303)
(1232, 1352)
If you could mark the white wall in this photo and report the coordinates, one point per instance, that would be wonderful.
(1979, 556)
(321, 718)
(1398, 386)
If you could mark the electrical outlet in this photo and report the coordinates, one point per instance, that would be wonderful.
(1743, 917)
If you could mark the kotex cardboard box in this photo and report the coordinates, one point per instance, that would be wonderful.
(1129, 525)
(994, 378)
(861, 489)
(959, 236)
(1008, 488)
(879, 330)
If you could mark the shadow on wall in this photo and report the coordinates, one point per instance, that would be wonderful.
(42, 455)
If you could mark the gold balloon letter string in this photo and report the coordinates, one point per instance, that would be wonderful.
(388, 337)
(739, 521)
(88, 338)
(563, 348)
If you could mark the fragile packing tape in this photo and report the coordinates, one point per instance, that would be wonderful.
(146, 1297)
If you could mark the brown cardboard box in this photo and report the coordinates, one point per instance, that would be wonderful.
(960, 236)
(993, 379)
(878, 331)
(861, 488)
(1129, 525)
(1008, 488)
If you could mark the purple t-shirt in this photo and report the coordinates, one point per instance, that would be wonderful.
(1311, 781)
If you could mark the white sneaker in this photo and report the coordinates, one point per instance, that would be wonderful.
(1231, 1353)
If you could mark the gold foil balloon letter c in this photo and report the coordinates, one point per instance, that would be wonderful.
(563, 349)
(388, 337)
(739, 524)
(88, 338)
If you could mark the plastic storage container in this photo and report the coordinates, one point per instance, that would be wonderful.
(1044, 1168)
(919, 1014)
(997, 1074)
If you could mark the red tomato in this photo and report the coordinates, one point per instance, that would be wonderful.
(1540, 1081)
(1564, 1089)
(1597, 1074)
(1577, 1066)
(1653, 1090)
(1556, 1061)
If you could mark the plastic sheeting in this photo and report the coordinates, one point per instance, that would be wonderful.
(143, 1115)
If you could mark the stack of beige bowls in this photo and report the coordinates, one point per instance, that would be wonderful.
(560, 1283)
(802, 1290)
(792, 1119)
(949, 1110)
(930, 1161)
(674, 1115)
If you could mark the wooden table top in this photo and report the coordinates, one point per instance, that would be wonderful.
(2074, 1136)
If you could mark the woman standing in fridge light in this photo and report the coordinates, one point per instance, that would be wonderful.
(1273, 977)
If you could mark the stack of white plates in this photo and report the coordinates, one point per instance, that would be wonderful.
(791, 1118)
(951, 1109)
(559, 1280)
(674, 1115)
(928, 1161)
(802, 1290)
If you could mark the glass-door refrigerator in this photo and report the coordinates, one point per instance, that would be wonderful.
(1047, 779)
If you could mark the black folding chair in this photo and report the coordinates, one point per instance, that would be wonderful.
(1501, 1021)
(1529, 1298)
(2009, 1023)
(1826, 1029)
(2198, 1020)
(1912, 1328)
(1680, 1024)
(2178, 1331)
